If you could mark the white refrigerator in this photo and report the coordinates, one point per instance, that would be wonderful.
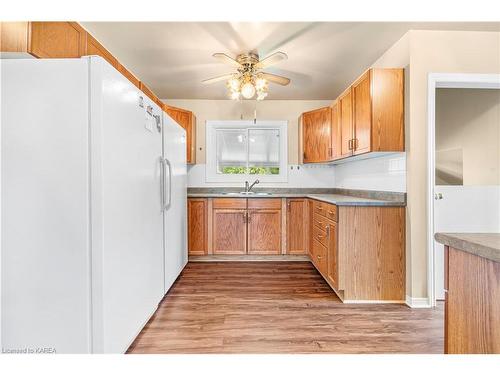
(84, 189)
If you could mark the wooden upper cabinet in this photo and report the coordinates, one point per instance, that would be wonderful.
(387, 88)
(316, 138)
(345, 123)
(43, 39)
(56, 39)
(296, 222)
(361, 99)
(197, 226)
(378, 111)
(14, 36)
(187, 120)
(336, 141)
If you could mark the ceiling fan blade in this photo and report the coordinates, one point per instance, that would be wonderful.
(276, 79)
(225, 77)
(271, 60)
(223, 58)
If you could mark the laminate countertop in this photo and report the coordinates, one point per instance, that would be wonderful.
(486, 245)
(337, 199)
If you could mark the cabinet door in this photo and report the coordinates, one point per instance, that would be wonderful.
(336, 141)
(316, 135)
(229, 231)
(197, 226)
(345, 118)
(332, 269)
(57, 39)
(362, 114)
(296, 222)
(187, 120)
(264, 231)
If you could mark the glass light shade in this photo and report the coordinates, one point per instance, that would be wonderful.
(234, 84)
(235, 95)
(261, 95)
(248, 90)
(260, 83)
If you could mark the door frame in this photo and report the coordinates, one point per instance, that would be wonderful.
(436, 81)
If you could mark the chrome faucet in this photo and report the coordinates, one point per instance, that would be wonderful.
(249, 187)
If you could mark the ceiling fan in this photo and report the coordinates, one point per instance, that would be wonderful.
(249, 80)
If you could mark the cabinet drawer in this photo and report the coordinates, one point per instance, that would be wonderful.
(237, 203)
(265, 203)
(319, 254)
(325, 209)
(319, 234)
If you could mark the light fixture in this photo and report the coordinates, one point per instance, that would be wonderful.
(248, 90)
(234, 84)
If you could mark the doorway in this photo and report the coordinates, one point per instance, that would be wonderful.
(463, 162)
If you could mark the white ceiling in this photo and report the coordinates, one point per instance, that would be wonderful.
(172, 58)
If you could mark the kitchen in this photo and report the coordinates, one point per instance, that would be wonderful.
(260, 211)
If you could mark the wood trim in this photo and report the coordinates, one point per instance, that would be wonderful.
(250, 258)
(235, 203)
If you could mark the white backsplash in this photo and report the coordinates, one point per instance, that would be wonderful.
(386, 173)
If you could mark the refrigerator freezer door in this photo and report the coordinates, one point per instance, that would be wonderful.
(45, 205)
(127, 217)
(175, 214)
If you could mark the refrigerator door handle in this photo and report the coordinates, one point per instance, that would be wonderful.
(162, 184)
(169, 195)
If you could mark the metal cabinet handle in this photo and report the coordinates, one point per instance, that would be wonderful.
(244, 217)
(349, 144)
(327, 228)
(318, 256)
(249, 217)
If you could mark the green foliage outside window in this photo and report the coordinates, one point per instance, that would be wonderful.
(251, 170)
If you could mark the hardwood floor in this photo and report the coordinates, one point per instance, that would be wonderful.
(279, 307)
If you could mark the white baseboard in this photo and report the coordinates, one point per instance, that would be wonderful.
(418, 302)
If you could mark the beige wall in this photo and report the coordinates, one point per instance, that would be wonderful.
(468, 135)
(431, 52)
(289, 110)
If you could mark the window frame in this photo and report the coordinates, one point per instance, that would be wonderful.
(212, 126)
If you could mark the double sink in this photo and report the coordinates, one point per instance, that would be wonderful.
(251, 193)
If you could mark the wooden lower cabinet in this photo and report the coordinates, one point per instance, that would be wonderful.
(229, 231)
(361, 251)
(264, 231)
(296, 226)
(472, 305)
(197, 226)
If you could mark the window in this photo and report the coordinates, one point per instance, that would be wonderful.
(241, 150)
